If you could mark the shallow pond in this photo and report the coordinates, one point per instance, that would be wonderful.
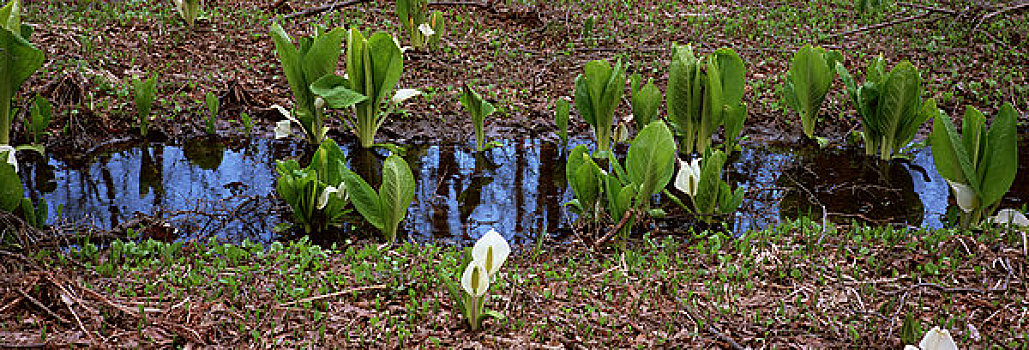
(207, 187)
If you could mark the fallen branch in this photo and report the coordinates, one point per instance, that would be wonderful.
(317, 10)
(613, 231)
(41, 306)
(332, 295)
(882, 25)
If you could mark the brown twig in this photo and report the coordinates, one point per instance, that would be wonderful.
(317, 10)
(41, 306)
(614, 230)
(334, 294)
(882, 25)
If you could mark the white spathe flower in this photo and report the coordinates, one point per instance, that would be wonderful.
(475, 280)
(491, 250)
(338, 192)
(964, 194)
(10, 156)
(688, 179)
(282, 129)
(935, 339)
(1010, 216)
(426, 29)
(403, 94)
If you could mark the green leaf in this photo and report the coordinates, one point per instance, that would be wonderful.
(1001, 158)
(947, 150)
(709, 187)
(40, 113)
(396, 193)
(333, 89)
(900, 104)
(810, 78)
(328, 161)
(685, 95)
(645, 101)
(290, 59)
(11, 189)
(365, 200)
(387, 64)
(650, 156)
(479, 109)
(562, 108)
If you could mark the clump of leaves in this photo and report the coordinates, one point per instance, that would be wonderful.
(597, 93)
(890, 106)
(479, 109)
(979, 165)
(808, 81)
(144, 91)
(19, 61)
(701, 101)
(387, 207)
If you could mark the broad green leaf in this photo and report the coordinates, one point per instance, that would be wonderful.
(709, 187)
(323, 56)
(650, 156)
(333, 89)
(947, 149)
(291, 66)
(583, 104)
(685, 98)
(326, 161)
(810, 78)
(10, 16)
(11, 190)
(387, 64)
(1001, 158)
(973, 136)
(365, 200)
(645, 101)
(562, 109)
(396, 193)
(733, 74)
(899, 104)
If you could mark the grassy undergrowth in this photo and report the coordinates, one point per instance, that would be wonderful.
(795, 284)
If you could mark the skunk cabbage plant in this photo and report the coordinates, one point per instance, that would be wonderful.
(890, 106)
(699, 102)
(585, 178)
(19, 62)
(561, 111)
(303, 63)
(702, 182)
(479, 109)
(979, 165)
(597, 93)
(144, 92)
(808, 81)
(412, 14)
(315, 194)
(387, 207)
(623, 192)
(488, 255)
(374, 66)
(213, 105)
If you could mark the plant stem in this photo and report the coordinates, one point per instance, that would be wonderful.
(5, 122)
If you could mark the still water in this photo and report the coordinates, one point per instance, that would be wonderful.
(207, 187)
